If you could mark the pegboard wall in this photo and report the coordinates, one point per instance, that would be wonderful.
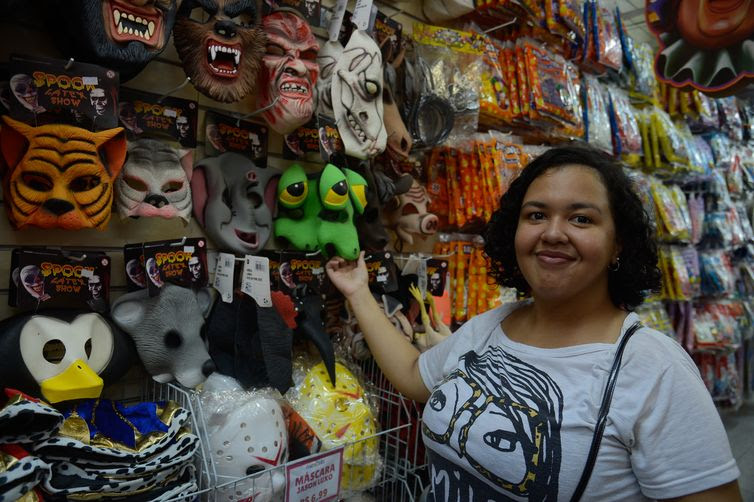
(22, 31)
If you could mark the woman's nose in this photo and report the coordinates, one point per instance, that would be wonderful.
(554, 231)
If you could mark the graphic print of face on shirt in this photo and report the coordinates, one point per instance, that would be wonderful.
(502, 416)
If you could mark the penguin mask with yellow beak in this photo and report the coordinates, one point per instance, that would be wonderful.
(62, 355)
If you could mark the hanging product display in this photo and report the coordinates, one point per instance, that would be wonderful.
(42, 189)
(357, 84)
(289, 72)
(121, 34)
(221, 50)
(316, 212)
(234, 201)
(167, 330)
(155, 181)
(62, 355)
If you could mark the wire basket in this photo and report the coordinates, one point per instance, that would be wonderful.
(153, 391)
(390, 475)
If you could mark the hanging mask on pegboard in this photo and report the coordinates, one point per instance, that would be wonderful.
(221, 49)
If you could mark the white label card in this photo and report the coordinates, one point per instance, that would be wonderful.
(361, 14)
(169, 112)
(315, 478)
(255, 280)
(90, 80)
(337, 20)
(223, 282)
(188, 249)
(85, 272)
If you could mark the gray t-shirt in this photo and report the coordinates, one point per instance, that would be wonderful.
(508, 421)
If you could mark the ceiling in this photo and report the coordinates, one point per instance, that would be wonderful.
(632, 14)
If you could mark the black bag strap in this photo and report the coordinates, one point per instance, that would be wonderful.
(607, 398)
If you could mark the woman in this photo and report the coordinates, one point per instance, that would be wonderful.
(515, 393)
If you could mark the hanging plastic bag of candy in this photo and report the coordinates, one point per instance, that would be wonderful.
(597, 120)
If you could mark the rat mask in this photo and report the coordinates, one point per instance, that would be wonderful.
(155, 181)
(167, 329)
(62, 355)
(222, 55)
(289, 71)
(234, 201)
(60, 176)
(119, 34)
(357, 97)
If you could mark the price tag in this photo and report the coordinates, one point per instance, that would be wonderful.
(315, 478)
(85, 272)
(90, 80)
(255, 280)
(169, 112)
(223, 282)
(337, 20)
(188, 249)
(361, 14)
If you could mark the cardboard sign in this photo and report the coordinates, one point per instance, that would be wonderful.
(330, 143)
(227, 134)
(44, 279)
(151, 115)
(299, 274)
(180, 261)
(315, 478)
(303, 143)
(46, 91)
(383, 274)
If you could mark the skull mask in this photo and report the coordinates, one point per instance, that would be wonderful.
(155, 181)
(222, 54)
(289, 71)
(357, 97)
(328, 56)
(234, 201)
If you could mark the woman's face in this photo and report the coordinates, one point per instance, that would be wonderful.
(565, 239)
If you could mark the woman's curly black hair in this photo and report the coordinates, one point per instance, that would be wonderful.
(637, 273)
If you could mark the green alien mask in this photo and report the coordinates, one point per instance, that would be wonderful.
(316, 211)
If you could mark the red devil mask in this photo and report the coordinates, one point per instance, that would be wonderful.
(289, 71)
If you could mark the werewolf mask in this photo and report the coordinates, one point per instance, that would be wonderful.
(120, 34)
(289, 71)
(223, 54)
(60, 176)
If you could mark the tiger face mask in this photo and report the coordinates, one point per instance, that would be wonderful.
(220, 46)
(155, 181)
(60, 176)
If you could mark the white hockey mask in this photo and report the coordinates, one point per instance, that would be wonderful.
(357, 97)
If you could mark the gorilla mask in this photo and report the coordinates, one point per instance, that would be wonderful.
(289, 71)
(222, 55)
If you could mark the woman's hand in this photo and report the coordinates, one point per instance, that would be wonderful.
(348, 276)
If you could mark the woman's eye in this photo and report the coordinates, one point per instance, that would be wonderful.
(581, 219)
(536, 216)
